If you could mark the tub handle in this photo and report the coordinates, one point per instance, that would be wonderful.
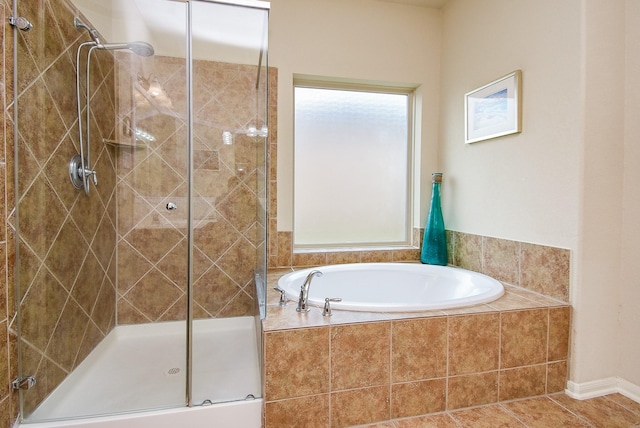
(326, 312)
(283, 296)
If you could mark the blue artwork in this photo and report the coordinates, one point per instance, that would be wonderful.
(491, 110)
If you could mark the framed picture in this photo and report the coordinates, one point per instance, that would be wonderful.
(495, 109)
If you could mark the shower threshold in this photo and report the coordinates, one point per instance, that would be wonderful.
(143, 367)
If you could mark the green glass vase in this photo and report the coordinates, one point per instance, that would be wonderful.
(434, 243)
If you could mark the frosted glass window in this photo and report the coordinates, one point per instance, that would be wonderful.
(351, 168)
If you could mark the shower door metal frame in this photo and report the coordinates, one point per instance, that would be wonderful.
(189, 326)
(22, 381)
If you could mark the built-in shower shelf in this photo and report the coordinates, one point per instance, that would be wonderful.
(124, 145)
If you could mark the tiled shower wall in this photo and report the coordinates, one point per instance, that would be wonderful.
(66, 253)
(229, 189)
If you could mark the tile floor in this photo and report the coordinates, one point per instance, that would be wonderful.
(555, 411)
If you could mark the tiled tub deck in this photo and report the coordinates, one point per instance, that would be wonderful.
(359, 368)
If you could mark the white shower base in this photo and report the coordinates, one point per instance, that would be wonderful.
(143, 368)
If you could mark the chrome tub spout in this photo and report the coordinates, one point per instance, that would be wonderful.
(303, 305)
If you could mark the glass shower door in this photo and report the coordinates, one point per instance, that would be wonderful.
(229, 76)
(141, 291)
(100, 275)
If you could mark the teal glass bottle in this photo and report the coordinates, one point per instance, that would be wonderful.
(434, 243)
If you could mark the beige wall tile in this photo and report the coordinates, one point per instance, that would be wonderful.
(309, 259)
(418, 398)
(407, 255)
(419, 349)
(296, 363)
(559, 329)
(285, 248)
(556, 376)
(359, 406)
(545, 270)
(522, 382)
(468, 251)
(523, 338)
(360, 355)
(472, 390)
(308, 412)
(376, 256)
(501, 259)
(343, 257)
(474, 343)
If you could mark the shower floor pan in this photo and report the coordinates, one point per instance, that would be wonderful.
(143, 367)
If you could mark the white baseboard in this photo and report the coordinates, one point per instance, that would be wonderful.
(629, 390)
(600, 387)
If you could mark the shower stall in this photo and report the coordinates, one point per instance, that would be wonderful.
(139, 218)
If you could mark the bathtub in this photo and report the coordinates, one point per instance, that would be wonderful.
(393, 287)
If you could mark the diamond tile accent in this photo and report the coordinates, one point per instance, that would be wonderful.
(153, 294)
(42, 216)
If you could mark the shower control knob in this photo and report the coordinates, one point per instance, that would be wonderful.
(171, 206)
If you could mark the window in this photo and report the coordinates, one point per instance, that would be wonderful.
(352, 166)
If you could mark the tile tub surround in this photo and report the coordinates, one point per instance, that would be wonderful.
(538, 268)
(359, 368)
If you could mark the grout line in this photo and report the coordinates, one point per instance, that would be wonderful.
(448, 362)
(329, 393)
(499, 352)
(391, 401)
(628, 408)
(546, 359)
(577, 415)
(511, 413)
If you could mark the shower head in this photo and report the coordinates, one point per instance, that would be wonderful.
(138, 48)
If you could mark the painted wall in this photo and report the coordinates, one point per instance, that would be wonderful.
(597, 258)
(630, 283)
(523, 186)
(558, 183)
(355, 39)
(563, 180)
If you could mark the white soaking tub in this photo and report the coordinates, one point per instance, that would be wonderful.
(393, 287)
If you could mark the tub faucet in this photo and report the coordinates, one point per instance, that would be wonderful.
(303, 306)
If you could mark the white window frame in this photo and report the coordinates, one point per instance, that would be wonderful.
(338, 84)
